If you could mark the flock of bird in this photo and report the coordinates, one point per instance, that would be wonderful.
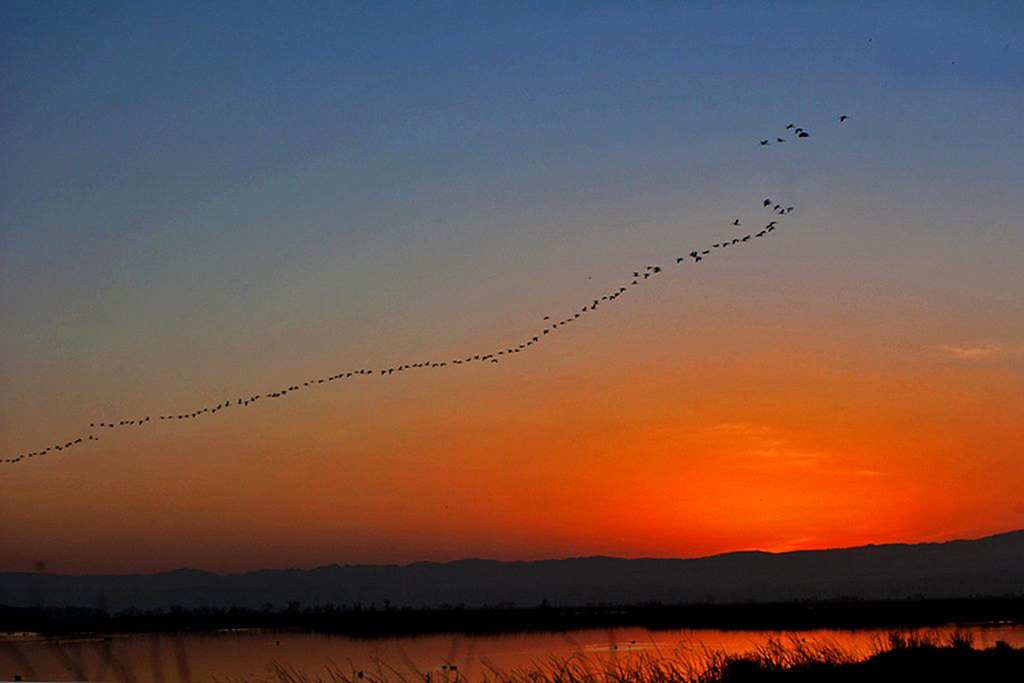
(639, 277)
(799, 132)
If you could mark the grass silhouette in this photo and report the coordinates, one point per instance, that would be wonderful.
(896, 656)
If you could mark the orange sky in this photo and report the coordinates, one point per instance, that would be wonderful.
(627, 436)
(203, 202)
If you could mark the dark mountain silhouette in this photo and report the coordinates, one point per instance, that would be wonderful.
(989, 566)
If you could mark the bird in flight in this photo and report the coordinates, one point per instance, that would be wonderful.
(764, 142)
(802, 134)
(767, 202)
(843, 118)
(736, 222)
(779, 140)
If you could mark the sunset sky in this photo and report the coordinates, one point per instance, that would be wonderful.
(203, 201)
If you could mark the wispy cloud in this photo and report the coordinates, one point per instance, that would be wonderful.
(740, 428)
(762, 441)
(756, 439)
(971, 351)
(980, 351)
(782, 451)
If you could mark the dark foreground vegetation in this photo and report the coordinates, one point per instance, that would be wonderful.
(903, 656)
(385, 620)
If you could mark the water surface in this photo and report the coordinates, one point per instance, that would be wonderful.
(249, 654)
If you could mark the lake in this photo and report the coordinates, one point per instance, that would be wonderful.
(249, 654)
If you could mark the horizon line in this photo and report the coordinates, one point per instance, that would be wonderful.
(570, 558)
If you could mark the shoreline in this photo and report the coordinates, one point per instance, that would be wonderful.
(377, 622)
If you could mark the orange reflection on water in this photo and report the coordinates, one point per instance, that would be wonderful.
(249, 655)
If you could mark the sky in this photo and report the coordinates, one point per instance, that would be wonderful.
(200, 201)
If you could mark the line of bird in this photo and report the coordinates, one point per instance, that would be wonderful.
(639, 277)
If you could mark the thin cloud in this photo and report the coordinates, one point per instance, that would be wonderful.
(741, 428)
(782, 452)
(757, 440)
(971, 352)
(761, 441)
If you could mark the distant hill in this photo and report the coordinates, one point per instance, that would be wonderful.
(987, 566)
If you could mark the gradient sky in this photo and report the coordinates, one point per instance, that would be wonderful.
(203, 200)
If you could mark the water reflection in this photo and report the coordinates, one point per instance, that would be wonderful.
(250, 654)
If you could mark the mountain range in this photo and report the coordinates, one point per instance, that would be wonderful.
(990, 566)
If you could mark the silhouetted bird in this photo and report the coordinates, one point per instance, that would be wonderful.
(736, 222)
(779, 140)
(802, 134)
(767, 202)
(843, 118)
